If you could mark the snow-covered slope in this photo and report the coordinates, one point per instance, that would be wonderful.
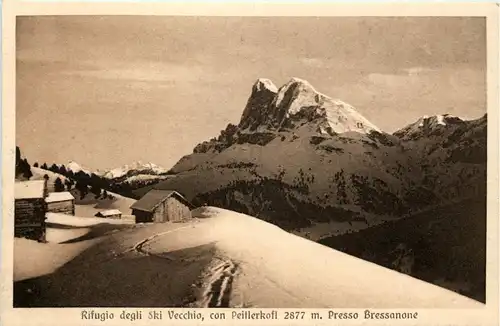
(38, 174)
(62, 246)
(224, 259)
(301, 179)
(282, 270)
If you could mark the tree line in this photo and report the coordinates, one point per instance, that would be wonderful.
(83, 182)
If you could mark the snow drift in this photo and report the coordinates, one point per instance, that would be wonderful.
(282, 270)
(220, 259)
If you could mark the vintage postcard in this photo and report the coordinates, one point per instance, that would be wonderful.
(253, 164)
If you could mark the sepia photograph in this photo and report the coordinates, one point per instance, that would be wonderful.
(250, 162)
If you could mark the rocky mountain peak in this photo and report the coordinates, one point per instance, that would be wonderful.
(264, 84)
(256, 110)
(297, 104)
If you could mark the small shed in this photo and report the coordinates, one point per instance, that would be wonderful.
(109, 213)
(61, 202)
(30, 209)
(161, 206)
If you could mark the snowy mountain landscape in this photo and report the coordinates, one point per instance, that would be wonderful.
(254, 162)
(312, 166)
(298, 158)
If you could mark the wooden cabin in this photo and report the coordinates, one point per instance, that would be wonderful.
(161, 206)
(109, 213)
(61, 202)
(30, 209)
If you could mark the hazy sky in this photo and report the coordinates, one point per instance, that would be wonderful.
(107, 91)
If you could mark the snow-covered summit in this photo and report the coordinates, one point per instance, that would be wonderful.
(75, 167)
(134, 168)
(298, 103)
(435, 120)
(426, 124)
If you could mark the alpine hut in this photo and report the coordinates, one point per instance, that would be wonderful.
(61, 202)
(161, 206)
(109, 213)
(29, 209)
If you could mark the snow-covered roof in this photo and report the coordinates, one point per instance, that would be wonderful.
(29, 189)
(109, 212)
(59, 196)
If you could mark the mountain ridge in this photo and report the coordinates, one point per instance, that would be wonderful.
(133, 169)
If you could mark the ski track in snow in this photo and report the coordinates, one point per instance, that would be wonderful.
(218, 290)
(138, 247)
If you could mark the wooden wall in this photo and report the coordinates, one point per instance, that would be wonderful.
(171, 210)
(63, 207)
(29, 218)
(159, 215)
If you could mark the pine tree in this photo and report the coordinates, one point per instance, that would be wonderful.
(58, 185)
(26, 169)
(105, 194)
(44, 166)
(35, 164)
(54, 168)
(62, 170)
